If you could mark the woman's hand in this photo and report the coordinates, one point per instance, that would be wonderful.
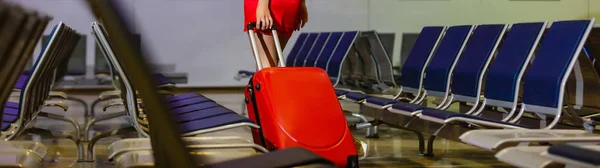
(264, 21)
(303, 14)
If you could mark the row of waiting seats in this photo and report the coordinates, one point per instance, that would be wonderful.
(194, 113)
(21, 31)
(519, 85)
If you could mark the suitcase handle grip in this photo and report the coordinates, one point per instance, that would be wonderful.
(252, 25)
(251, 33)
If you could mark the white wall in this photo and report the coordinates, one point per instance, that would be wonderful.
(205, 39)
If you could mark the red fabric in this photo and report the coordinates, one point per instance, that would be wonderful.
(284, 13)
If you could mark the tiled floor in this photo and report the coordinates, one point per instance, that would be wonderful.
(394, 148)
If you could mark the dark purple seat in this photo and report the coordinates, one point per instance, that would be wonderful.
(12, 104)
(340, 92)
(21, 82)
(245, 72)
(190, 101)
(576, 153)
(162, 79)
(182, 96)
(11, 111)
(203, 114)
(216, 121)
(407, 106)
(195, 107)
(9, 118)
(356, 96)
(381, 101)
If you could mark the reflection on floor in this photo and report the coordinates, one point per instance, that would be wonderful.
(394, 148)
(397, 148)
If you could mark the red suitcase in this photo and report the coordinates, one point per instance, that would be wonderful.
(298, 107)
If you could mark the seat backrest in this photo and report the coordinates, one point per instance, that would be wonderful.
(437, 80)
(503, 79)
(467, 77)
(413, 70)
(128, 91)
(384, 64)
(316, 49)
(544, 81)
(61, 43)
(338, 55)
(351, 72)
(347, 69)
(295, 49)
(28, 99)
(367, 61)
(303, 53)
(330, 45)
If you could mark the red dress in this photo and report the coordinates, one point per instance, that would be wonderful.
(285, 14)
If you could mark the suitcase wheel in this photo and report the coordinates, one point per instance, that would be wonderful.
(352, 161)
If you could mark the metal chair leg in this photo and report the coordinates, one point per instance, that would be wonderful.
(364, 120)
(93, 107)
(89, 125)
(431, 139)
(77, 140)
(95, 139)
(374, 135)
(85, 105)
(430, 146)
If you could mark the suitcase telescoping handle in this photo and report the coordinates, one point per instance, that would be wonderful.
(251, 33)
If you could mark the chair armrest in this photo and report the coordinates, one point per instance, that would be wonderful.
(405, 99)
(111, 103)
(59, 104)
(110, 95)
(168, 86)
(59, 95)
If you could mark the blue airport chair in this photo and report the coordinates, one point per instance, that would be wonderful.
(328, 48)
(503, 78)
(543, 91)
(316, 50)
